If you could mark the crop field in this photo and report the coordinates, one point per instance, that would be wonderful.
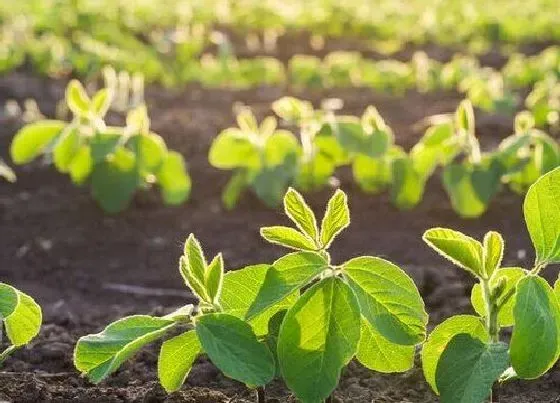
(280, 201)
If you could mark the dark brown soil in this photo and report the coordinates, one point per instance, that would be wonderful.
(80, 263)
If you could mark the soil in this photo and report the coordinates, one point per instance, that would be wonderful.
(87, 269)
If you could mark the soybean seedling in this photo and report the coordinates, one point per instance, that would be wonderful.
(465, 355)
(21, 318)
(366, 307)
(213, 327)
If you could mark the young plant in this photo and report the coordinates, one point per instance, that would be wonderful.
(262, 158)
(213, 327)
(465, 355)
(366, 307)
(20, 317)
(115, 160)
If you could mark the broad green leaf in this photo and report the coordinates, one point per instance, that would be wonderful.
(535, 342)
(66, 148)
(462, 250)
(150, 151)
(33, 139)
(272, 337)
(232, 346)
(288, 274)
(300, 213)
(173, 179)
(388, 298)
(176, 358)
(512, 275)
(337, 217)
(330, 148)
(377, 353)
(434, 148)
(98, 355)
(350, 134)
(373, 175)
(318, 337)
(486, 179)
(77, 99)
(278, 146)
(81, 166)
(408, 186)
(542, 215)
(468, 368)
(270, 183)
(440, 337)
(378, 143)
(457, 181)
(493, 252)
(288, 237)
(114, 181)
(315, 173)
(240, 290)
(104, 143)
(22, 316)
(232, 149)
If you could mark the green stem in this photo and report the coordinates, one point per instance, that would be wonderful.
(6, 353)
(492, 325)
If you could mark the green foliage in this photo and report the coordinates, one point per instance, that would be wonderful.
(117, 161)
(464, 356)
(20, 316)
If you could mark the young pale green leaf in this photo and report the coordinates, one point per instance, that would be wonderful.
(318, 337)
(388, 298)
(464, 117)
(233, 149)
(300, 213)
(511, 276)
(408, 185)
(372, 175)
(33, 139)
(77, 99)
(292, 109)
(240, 290)
(150, 150)
(377, 353)
(81, 166)
(542, 215)
(176, 358)
(315, 173)
(114, 181)
(288, 274)
(460, 249)
(279, 145)
(192, 267)
(440, 337)
(215, 277)
(232, 346)
(247, 122)
(173, 179)
(493, 252)
(66, 148)
(535, 342)
(101, 102)
(22, 316)
(468, 368)
(98, 355)
(337, 217)
(288, 237)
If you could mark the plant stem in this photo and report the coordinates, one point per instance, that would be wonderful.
(261, 395)
(491, 312)
(6, 353)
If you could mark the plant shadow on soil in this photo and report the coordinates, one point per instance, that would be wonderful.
(79, 263)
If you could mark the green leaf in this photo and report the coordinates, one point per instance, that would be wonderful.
(372, 175)
(460, 249)
(457, 181)
(511, 276)
(81, 166)
(235, 186)
(535, 342)
(557, 289)
(232, 149)
(300, 213)
(114, 181)
(468, 368)
(240, 290)
(66, 148)
(173, 179)
(314, 173)
(350, 134)
(232, 346)
(215, 277)
(440, 337)
(195, 262)
(98, 355)
(104, 143)
(493, 252)
(377, 353)
(101, 102)
(22, 316)
(150, 150)
(288, 274)
(176, 358)
(318, 337)
(288, 237)
(292, 109)
(270, 183)
(408, 186)
(33, 139)
(542, 215)
(278, 146)
(77, 99)
(247, 122)
(337, 217)
(464, 117)
(388, 298)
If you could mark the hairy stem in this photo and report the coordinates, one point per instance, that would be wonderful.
(6, 353)
(261, 395)
(492, 325)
